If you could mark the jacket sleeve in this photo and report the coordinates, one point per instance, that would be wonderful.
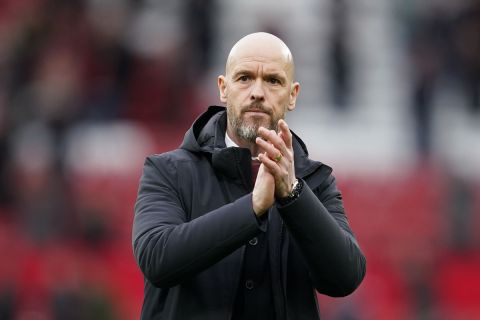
(167, 247)
(317, 223)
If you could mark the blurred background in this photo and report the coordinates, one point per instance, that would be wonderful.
(390, 99)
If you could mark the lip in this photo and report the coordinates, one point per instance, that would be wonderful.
(255, 111)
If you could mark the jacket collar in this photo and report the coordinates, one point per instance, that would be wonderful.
(207, 135)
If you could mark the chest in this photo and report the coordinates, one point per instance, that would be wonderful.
(204, 189)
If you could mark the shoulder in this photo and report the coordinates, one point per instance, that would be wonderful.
(320, 176)
(170, 162)
(165, 168)
(173, 157)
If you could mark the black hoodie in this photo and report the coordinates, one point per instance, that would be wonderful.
(194, 214)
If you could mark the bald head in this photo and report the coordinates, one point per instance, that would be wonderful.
(261, 46)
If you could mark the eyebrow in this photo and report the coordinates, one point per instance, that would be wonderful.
(267, 75)
(242, 72)
(276, 75)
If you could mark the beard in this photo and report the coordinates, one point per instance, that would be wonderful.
(245, 128)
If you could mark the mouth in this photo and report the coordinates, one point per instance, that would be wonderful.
(256, 111)
(256, 115)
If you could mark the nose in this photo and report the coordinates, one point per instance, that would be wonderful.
(257, 93)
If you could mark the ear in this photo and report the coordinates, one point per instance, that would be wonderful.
(222, 88)
(295, 89)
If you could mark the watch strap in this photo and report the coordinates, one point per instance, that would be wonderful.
(296, 190)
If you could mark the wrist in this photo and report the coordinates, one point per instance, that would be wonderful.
(259, 211)
(259, 208)
(295, 191)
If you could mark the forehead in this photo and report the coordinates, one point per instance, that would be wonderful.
(271, 58)
(254, 64)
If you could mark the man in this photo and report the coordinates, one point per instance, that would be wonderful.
(215, 242)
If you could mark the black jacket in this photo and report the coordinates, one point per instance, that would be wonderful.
(194, 214)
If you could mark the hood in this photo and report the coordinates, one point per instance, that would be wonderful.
(207, 132)
(207, 135)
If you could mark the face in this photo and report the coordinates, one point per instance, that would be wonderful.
(257, 89)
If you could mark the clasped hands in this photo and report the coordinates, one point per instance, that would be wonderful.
(276, 174)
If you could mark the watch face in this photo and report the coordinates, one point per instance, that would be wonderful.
(298, 188)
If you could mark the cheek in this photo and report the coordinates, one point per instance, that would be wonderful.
(235, 102)
(239, 102)
(237, 94)
(281, 102)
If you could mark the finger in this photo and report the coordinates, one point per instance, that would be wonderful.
(286, 135)
(272, 137)
(272, 152)
(270, 165)
(279, 174)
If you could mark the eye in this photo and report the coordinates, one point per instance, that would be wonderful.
(244, 78)
(273, 81)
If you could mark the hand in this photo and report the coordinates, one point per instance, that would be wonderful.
(263, 191)
(278, 157)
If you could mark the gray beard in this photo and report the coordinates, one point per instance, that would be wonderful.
(247, 131)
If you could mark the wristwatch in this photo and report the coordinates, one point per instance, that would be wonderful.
(296, 190)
